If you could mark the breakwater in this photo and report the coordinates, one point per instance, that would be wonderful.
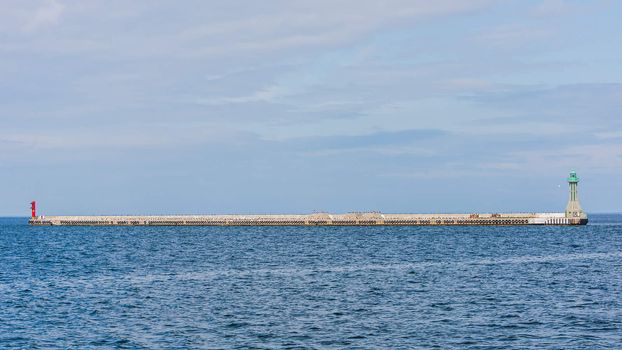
(315, 219)
(574, 215)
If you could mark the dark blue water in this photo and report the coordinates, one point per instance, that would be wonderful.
(323, 288)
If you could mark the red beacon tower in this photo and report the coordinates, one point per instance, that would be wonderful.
(33, 209)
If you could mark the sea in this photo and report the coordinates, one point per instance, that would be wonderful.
(520, 287)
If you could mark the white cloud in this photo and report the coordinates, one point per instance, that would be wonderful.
(267, 94)
(595, 157)
(551, 7)
(375, 150)
(219, 30)
(49, 13)
(609, 135)
(309, 24)
(510, 37)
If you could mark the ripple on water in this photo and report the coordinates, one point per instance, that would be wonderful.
(343, 287)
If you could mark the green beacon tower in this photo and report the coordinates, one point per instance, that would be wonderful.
(573, 209)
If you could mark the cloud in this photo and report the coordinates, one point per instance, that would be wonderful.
(617, 134)
(108, 138)
(267, 94)
(514, 37)
(380, 139)
(598, 158)
(552, 8)
(581, 103)
(331, 93)
(298, 81)
(49, 13)
(205, 33)
(303, 25)
(555, 8)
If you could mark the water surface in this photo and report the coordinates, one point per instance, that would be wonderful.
(311, 287)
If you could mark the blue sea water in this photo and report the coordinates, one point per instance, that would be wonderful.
(311, 287)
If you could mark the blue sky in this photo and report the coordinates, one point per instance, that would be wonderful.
(155, 107)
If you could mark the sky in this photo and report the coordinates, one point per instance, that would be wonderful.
(197, 107)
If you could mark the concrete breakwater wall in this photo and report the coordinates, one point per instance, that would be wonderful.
(574, 215)
(316, 219)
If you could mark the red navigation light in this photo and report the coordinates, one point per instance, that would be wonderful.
(33, 208)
